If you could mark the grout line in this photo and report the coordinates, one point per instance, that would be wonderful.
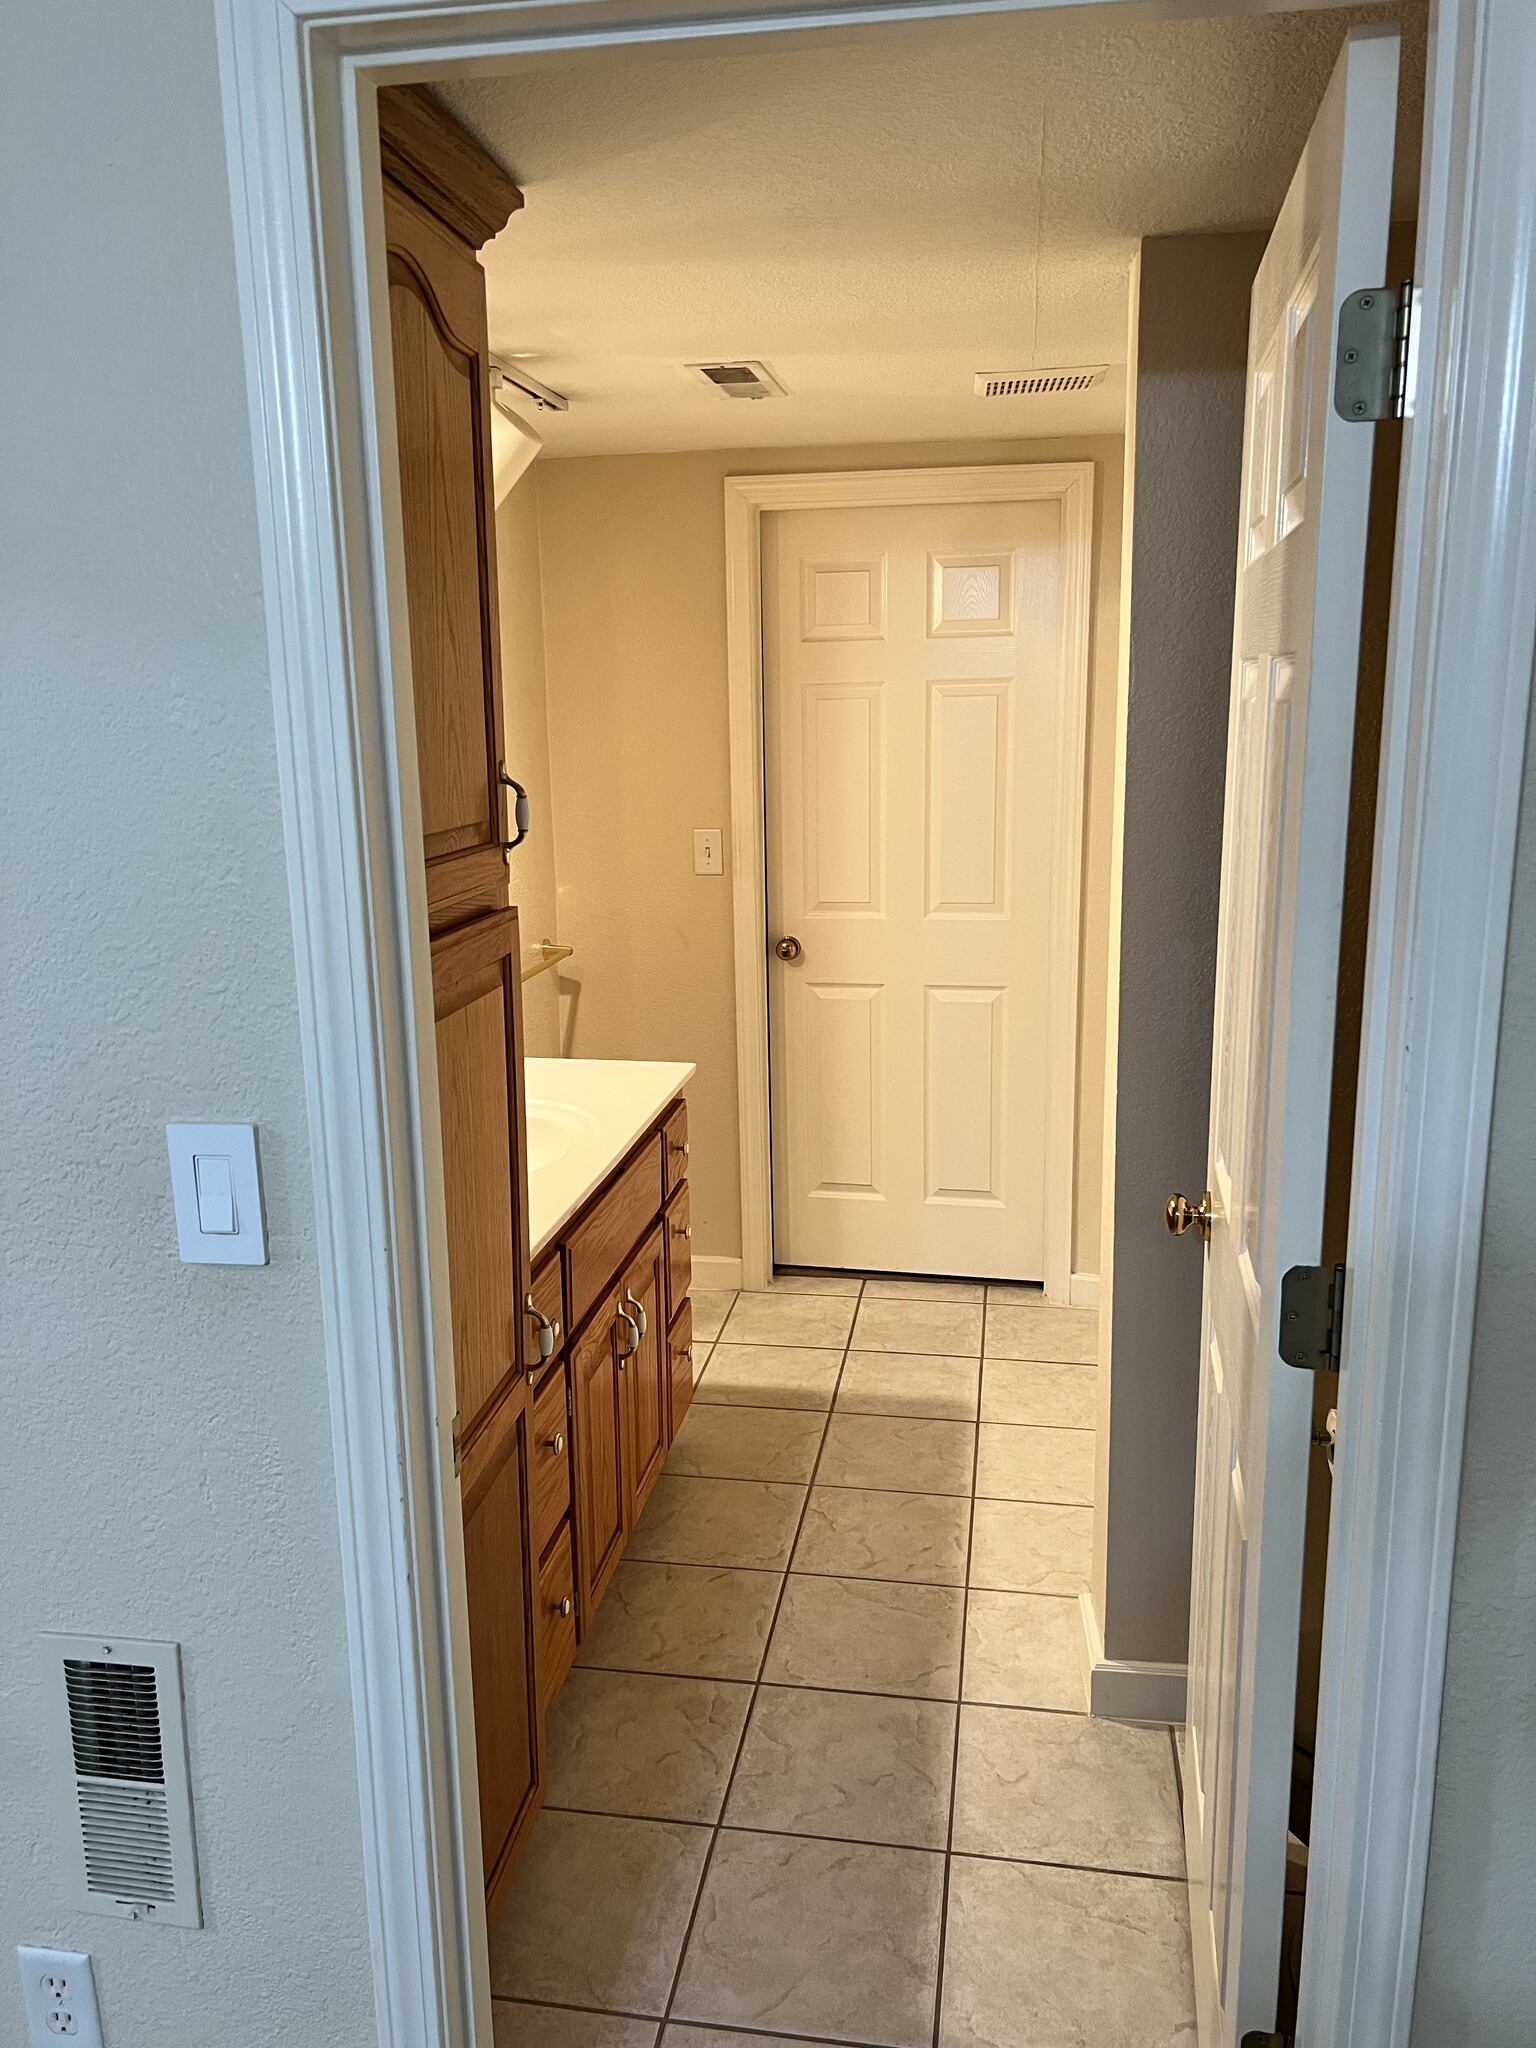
(741, 1740)
(863, 1692)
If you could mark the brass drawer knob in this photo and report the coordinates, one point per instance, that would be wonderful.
(564, 1608)
(556, 1443)
(682, 1230)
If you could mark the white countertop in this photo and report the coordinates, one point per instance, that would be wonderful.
(583, 1116)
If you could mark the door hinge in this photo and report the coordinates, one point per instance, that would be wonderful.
(1373, 368)
(1312, 1317)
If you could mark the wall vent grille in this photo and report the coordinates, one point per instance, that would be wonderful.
(122, 1745)
(1038, 383)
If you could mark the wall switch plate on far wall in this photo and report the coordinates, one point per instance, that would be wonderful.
(216, 1186)
(708, 850)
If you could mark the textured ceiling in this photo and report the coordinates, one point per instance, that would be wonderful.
(876, 214)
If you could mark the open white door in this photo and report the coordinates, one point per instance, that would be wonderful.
(1301, 561)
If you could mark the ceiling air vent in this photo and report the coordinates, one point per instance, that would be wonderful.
(123, 1752)
(1037, 383)
(739, 380)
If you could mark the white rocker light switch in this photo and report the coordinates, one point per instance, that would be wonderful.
(216, 1186)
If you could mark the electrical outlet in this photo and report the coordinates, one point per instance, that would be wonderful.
(708, 850)
(58, 1994)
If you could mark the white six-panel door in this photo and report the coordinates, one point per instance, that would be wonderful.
(915, 683)
(1301, 557)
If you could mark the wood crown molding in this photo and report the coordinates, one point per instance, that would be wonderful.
(425, 150)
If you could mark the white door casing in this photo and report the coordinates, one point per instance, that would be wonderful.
(1301, 554)
(923, 703)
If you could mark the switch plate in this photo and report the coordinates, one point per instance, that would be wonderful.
(708, 850)
(216, 1186)
(58, 1995)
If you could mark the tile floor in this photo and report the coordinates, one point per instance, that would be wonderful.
(824, 1770)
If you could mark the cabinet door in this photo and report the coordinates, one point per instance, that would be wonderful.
(598, 1385)
(447, 500)
(647, 1371)
(478, 1000)
(498, 1567)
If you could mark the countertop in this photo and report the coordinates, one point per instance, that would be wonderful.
(583, 1116)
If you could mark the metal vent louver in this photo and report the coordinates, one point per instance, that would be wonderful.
(123, 1747)
(1037, 383)
(739, 380)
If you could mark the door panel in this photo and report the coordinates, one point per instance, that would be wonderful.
(598, 1389)
(915, 684)
(1295, 657)
(647, 1370)
(478, 998)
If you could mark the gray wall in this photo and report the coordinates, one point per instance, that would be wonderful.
(1477, 1960)
(1189, 347)
(165, 1461)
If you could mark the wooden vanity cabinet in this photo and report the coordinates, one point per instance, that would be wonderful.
(647, 1370)
(598, 1403)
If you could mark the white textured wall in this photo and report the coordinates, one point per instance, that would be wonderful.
(1477, 1963)
(165, 1459)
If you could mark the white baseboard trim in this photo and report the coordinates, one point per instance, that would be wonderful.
(1121, 1689)
(715, 1275)
(1085, 1290)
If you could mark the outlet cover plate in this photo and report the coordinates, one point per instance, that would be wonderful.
(58, 1995)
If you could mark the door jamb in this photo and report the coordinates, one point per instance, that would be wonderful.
(747, 498)
(302, 150)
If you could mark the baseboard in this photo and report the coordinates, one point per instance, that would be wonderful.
(1122, 1689)
(715, 1275)
(1085, 1290)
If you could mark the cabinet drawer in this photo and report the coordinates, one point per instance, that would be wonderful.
(674, 1138)
(680, 1351)
(546, 1294)
(557, 1615)
(550, 1457)
(679, 1251)
(612, 1227)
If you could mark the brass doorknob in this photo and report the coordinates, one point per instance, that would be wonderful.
(1180, 1214)
(788, 948)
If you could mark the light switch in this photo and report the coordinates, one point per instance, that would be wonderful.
(216, 1187)
(708, 850)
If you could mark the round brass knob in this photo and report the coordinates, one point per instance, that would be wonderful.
(1181, 1214)
(682, 1230)
(788, 948)
(556, 1443)
(564, 1609)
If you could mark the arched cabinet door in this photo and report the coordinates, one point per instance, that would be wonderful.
(447, 497)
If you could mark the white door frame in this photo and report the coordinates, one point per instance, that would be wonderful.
(302, 143)
(747, 498)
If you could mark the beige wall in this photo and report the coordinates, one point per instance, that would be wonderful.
(166, 1467)
(633, 560)
(525, 743)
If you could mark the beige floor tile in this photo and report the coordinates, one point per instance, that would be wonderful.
(918, 1287)
(822, 1320)
(1016, 1462)
(1041, 1958)
(949, 1329)
(718, 2037)
(851, 1534)
(814, 1937)
(1023, 1650)
(849, 1764)
(1070, 1336)
(1024, 1546)
(843, 1284)
(748, 1523)
(912, 1456)
(868, 1635)
(723, 1442)
(1065, 1788)
(770, 1376)
(710, 1309)
(596, 1912)
(909, 1383)
(1055, 1396)
(694, 1620)
(1010, 1292)
(556, 2026)
(630, 1742)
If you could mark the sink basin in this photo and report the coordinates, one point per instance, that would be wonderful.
(553, 1127)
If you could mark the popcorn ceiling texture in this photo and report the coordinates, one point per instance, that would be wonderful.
(165, 1463)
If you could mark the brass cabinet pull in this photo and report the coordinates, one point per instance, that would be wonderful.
(634, 1338)
(563, 1607)
(682, 1230)
(556, 1443)
(549, 1330)
(636, 1314)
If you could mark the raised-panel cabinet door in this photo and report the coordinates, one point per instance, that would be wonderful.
(478, 1002)
(502, 1626)
(597, 1385)
(647, 1370)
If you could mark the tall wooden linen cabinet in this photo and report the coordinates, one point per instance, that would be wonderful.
(443, 199)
